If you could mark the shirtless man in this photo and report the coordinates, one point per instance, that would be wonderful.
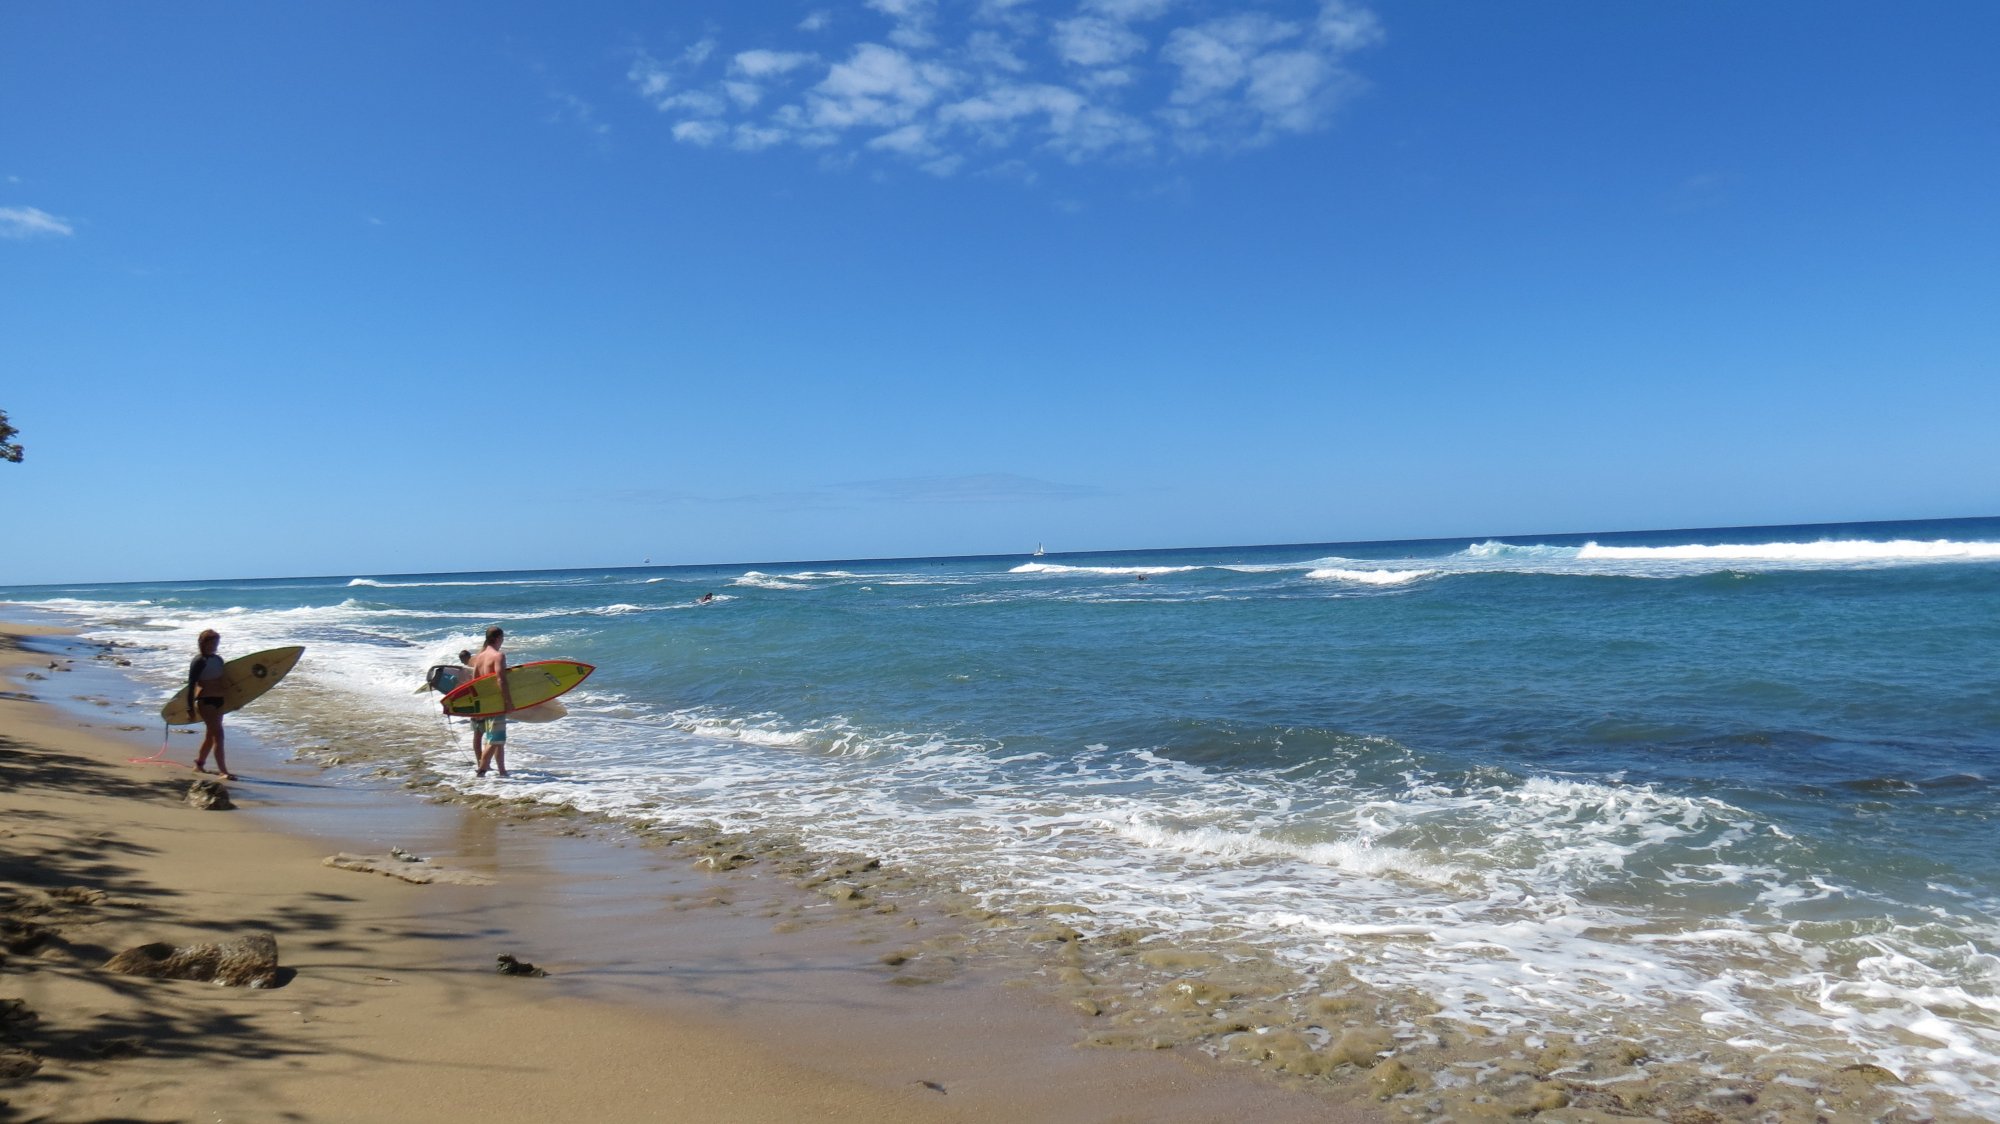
(492, 731)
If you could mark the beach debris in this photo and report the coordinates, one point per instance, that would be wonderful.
(16, 1064)
(399, 853)
(408, 867)
(16, 1016)
(22, 937)
(109, 1048)
(508, 966)
(248, 961)
(209, 796)
(725, 860)
(932, 1086)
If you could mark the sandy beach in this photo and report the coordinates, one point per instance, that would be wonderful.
(672, 994)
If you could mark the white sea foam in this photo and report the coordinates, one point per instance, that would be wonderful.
(1370, 577)
(759, 580)
(1851, 550)
(1113, 571)
(378, 584)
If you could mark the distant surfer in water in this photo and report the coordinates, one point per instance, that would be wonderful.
(492, 732)
(205, 691)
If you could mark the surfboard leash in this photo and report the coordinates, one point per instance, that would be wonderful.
(160, 758)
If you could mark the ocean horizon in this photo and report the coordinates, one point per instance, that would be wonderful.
(1726, 792)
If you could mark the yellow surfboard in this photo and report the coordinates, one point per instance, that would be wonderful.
(243, 679)
(447, 677)
(529, 684)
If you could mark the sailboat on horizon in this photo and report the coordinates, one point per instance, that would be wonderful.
(1039, 551)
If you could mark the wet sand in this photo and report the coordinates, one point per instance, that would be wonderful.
(678, 989)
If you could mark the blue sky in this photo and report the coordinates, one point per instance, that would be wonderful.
(377, 288)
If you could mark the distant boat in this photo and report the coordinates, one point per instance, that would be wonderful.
(647, 562)
(1039, 551)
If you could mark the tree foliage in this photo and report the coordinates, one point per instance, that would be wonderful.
(9, 451)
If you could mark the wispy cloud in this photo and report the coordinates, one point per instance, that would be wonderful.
(1003, 83)
(32, 222)
(576, 111)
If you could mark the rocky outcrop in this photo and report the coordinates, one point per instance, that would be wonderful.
(250, 961)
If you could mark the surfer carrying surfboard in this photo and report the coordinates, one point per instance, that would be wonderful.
(205, 685)
(492, 731)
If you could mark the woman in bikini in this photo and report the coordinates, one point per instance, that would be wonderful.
(205, 683)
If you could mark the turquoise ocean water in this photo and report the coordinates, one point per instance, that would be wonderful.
(1729, 783)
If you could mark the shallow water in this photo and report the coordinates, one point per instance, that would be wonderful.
(1734, 785)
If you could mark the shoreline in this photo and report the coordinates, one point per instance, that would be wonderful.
(673, 990)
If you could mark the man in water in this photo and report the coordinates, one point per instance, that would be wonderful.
(489, 735)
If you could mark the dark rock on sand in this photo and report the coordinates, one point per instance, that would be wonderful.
(209, 796)
(508, 966)
(250, 961)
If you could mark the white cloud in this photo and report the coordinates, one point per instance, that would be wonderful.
(1248, 78)
(1215, 56)
(877, 85)
(990, 50)
(910, 140)
(912, 21)
(754, 138)
(32, 222)
(1094, 41)
(764, 64)
(1001, 83)
(1347, 27)
(1127, 11)
(702, 133)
